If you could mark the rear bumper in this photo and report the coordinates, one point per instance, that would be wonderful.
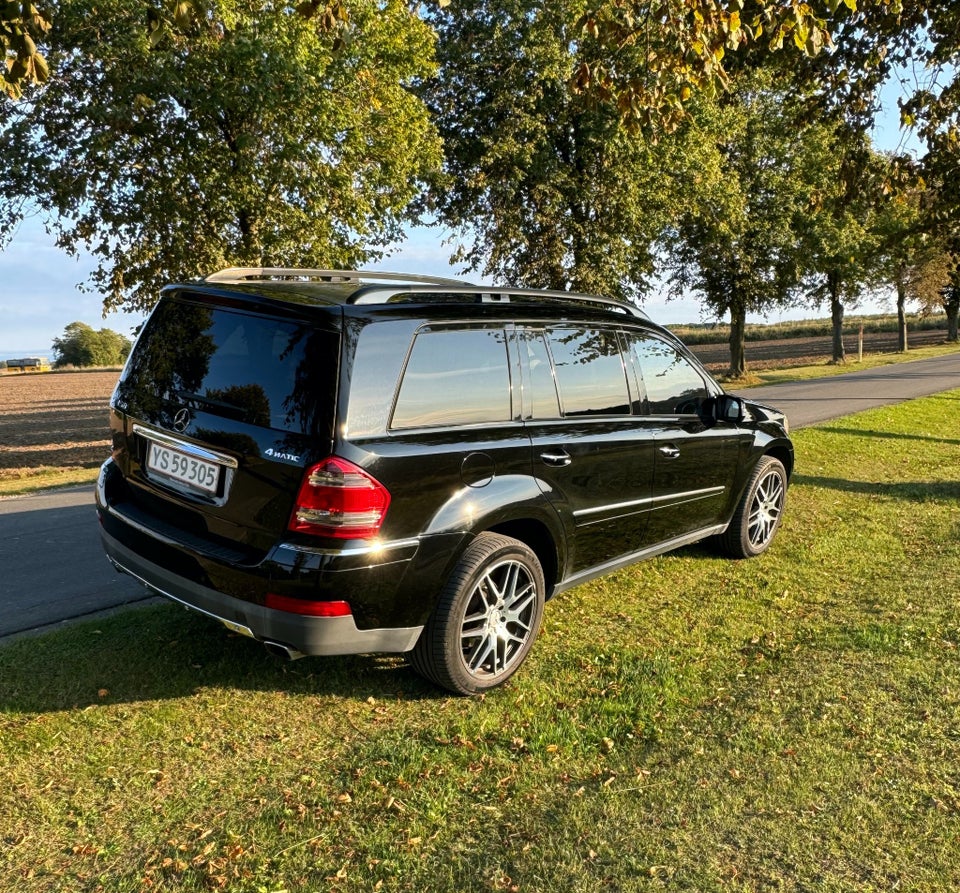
(216, 582)
(307, 635)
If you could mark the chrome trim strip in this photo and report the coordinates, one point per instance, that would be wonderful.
(688, 496)
(184, 446)
(372, 549)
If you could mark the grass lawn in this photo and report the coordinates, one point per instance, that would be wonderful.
(790, 723)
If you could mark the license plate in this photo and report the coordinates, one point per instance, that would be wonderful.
(197, 474)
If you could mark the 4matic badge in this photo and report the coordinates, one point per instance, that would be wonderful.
(283, 457)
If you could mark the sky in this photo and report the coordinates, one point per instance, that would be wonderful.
(40, 290)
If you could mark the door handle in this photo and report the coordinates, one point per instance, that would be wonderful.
(556, 458)
(669, 452)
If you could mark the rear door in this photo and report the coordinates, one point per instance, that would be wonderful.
(593, 454)
(222, 408)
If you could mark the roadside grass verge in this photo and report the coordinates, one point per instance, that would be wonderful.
(694, 724)
(21, 481)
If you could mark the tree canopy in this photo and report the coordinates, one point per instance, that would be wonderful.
(82, 345)
(741, 248)
(543, 186)
(22, 26)
(243, 138)
(182, 136)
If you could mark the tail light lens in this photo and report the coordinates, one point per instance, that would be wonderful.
(306, 607)
(339, 499)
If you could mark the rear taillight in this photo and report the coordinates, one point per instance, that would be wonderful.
(339, 499)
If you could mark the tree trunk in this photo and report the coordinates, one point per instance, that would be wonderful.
(738, 329)
(251, 247)
(901, 316)
(836, 314)
(951, 303)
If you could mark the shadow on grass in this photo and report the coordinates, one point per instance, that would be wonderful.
(165, 652)
(887, 435)
(915, 491)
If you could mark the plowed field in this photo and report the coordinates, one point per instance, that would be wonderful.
(773, 354)
(53, 420)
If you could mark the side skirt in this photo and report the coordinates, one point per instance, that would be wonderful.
(623, 561)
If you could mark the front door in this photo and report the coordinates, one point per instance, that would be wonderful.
(695, 461)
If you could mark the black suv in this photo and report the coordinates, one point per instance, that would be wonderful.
(337, 462)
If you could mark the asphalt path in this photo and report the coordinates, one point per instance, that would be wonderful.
(52, 569)
(822, 399)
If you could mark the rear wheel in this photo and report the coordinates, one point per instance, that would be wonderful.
(758, 516)
(486, 619)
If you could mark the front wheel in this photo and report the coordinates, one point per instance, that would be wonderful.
(486, 619)
(758, 516)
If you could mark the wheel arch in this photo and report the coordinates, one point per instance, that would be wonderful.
(784, 454)
(536, 536)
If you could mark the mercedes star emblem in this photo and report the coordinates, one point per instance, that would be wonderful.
(181, 420)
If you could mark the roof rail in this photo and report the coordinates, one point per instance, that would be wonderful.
(375, 294)
(376, 287)
(297, 274)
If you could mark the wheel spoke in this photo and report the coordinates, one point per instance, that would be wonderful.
(483, 650)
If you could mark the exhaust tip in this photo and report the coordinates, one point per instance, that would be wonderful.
(284, 652)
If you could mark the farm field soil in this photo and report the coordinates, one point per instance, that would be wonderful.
(53, 421)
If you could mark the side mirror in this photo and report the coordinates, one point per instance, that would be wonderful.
(729, 409)
(724, 408)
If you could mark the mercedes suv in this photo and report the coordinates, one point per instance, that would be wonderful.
(337, 462)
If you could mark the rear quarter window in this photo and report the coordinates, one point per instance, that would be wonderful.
(455, 377)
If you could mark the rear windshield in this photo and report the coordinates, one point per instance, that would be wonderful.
(272, 373)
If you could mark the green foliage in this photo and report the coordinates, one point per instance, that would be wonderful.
(81, 345)
(739, 249)
(21, 25)
(245, 136)
(649, 58)
(543, 186)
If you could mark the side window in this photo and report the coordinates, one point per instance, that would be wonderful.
(590, 372)
(455, 377)
(673, 385)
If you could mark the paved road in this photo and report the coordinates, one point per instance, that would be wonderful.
(807, 403)
(51, 565)
(52, 568)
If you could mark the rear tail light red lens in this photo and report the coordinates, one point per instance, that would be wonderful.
(307, 607)
(337, 498)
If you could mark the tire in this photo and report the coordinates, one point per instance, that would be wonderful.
(486, 618)
(758, 516)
